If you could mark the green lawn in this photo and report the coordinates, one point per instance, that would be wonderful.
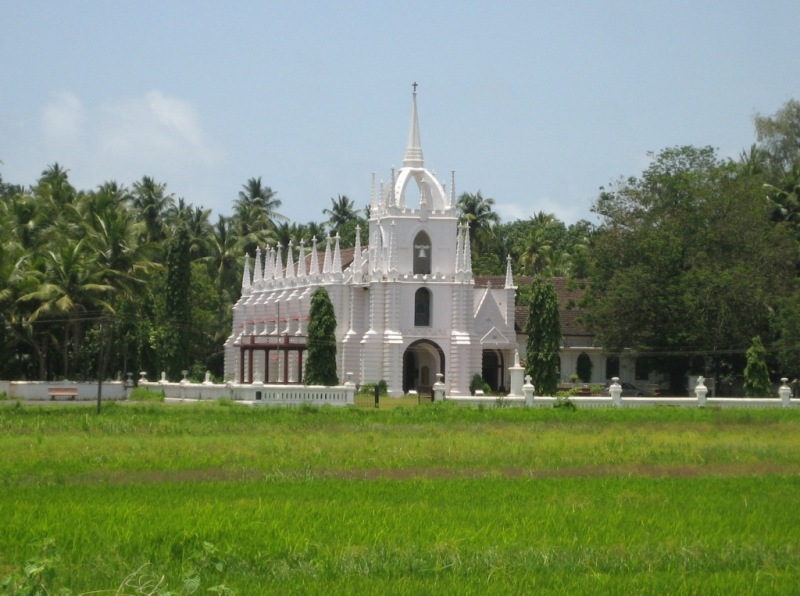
(414, 500)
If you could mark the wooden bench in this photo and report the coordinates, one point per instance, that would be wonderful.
(68, 392)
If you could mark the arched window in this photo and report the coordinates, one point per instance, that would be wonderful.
(422, 254)
(584, 367)
(612, 367)
(422, 308)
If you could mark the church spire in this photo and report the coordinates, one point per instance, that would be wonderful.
(413, 157)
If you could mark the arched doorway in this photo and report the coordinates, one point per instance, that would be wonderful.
(421, 361)
(493, 369)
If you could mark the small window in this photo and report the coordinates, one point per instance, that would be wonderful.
(422, 254)
(612, 367)
(422, 308)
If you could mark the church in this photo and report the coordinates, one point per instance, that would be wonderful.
(407, 306)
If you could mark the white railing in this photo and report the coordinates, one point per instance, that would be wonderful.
(39, 390)
(256, 393)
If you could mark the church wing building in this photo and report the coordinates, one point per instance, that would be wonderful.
(407, 306)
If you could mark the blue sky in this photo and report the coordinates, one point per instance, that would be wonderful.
(537, 104)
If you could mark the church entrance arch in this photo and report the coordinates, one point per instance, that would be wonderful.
(421, 361)
(493, 369)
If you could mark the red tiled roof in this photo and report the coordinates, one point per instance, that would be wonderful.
(569, 293)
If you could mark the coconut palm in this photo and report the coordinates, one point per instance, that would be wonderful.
(152, 202)
(341, 211)
(70, 289)
(260, 203)
(476, 211)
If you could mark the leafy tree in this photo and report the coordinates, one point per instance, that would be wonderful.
(756, 374)
(321, 362)
(687, 259)
(177, 308)
(543, 329)
(779, 135)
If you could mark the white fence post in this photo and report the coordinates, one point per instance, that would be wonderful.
(701, 391)
(785, 393)
(438, 388)
(615, 389)
(528, 390)
(350, 389)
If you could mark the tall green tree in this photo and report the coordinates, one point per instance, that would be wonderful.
(151, 201)
(176, 330)
(779, 135)
(543, 330)
(687, 260)
(321, 362)
(756, 373)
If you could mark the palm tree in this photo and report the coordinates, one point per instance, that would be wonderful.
(536, 248)
(260, 202)
(70, 288)
(54, 182)
(341, 211)
(475, 210)
(152, 203)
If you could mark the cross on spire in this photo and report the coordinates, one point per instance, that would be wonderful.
(414, 85)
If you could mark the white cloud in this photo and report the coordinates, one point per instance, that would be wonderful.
(155, 134)
(152, 130)
(63, 121)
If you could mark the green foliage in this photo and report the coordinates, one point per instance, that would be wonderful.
(756, 373)
(321, 362)
(144, 394)
(477, 382)
(175, 333)
(543, 329)
(564, 403)
(37, 575)
(788, 330)
(687, 259)
(369, 388)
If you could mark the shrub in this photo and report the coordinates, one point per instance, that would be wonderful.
(144, 394)
(369, 388)
(477, 382)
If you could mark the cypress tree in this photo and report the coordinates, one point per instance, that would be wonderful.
(543, 329)
(176, 352)
(321, 363)
(756, 374)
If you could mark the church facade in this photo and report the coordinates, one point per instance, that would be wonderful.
(407, 305)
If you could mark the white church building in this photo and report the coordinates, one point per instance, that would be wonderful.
(407, 306)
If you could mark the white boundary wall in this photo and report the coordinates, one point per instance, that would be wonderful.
(258, 394)
(631, 402)
(38, 390)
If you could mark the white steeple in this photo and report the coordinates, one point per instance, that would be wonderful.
(246, 276)
(413, 158)
(314, 269)
(257, 271)
(301, 260)
(509, 276)
(289, 261)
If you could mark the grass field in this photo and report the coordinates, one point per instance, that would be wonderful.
(154, 498)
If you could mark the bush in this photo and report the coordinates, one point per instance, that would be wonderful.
(144, 394)
(369, 388)
(477, 383)
(564, 403)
